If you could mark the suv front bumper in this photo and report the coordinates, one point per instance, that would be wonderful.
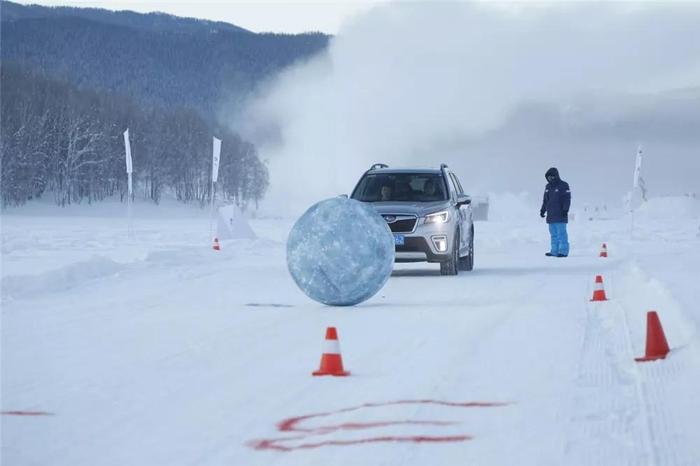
(417, 249)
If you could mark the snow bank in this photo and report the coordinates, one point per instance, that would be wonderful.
(17, 286)
(109, 208)
(663, 208)
(640, 293)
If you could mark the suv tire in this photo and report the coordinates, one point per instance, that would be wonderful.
(466, 263)
(450, 266)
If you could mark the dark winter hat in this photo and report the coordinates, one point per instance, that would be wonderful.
(552, 172)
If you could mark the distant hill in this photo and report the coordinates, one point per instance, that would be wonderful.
(73, 79)
(152, 21)
(152, 58)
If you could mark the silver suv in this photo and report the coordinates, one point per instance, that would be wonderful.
(427, 211)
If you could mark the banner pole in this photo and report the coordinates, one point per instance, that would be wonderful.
(130, 231)
(216, 153)
(635, 186)
(211, 213)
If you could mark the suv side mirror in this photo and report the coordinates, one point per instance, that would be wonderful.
(463, 199)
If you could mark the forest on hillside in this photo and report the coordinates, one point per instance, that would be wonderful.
(74, 79)
(66, 142)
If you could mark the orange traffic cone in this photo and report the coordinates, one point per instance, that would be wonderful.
(599, 292)
(331, 360)
(216, 246)
(657, 346)
(604, 250)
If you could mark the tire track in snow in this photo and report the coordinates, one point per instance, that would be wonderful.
(649, 443)
(660, 381)
(671, 444)
(609, 422)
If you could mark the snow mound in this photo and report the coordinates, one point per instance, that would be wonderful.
(231, 224)
(664, 208)
(18, 286)
(641, 293)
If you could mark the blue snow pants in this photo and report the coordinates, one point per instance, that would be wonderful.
(560, 239)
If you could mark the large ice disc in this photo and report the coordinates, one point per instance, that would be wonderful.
(340, 252)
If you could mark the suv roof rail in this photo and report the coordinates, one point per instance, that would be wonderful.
(443, 166)
(379, 165)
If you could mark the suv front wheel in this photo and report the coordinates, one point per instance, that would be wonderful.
(450, 266)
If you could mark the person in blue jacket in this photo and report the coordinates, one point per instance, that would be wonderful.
(555, 204)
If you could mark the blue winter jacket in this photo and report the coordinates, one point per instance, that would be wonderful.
(557, 199)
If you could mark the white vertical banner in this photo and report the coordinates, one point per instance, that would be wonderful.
(637, 168)
(129, 171)
(129, 164)
(127, 145)
(215, 160)
(216, 154)
(636, 187)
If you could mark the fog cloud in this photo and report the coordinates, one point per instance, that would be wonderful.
(420, 84)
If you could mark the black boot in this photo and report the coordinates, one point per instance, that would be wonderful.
(549, 254)
(562, 255)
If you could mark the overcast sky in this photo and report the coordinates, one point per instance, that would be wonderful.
(290, 16)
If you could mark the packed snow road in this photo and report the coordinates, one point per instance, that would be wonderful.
(158, 350)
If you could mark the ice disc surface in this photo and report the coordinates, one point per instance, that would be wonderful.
(340, 252)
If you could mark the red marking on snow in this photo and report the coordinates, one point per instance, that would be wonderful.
(284, 425)
(25, 413)
(294, 425)
(272, 444)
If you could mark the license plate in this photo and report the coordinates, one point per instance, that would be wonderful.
(399, 240)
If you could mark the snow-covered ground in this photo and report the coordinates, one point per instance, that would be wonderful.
(157, 350)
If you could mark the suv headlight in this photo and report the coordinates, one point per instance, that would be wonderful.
(437, 217)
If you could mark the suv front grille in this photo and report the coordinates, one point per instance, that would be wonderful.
(401, 223)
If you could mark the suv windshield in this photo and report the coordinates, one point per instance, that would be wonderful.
(412, 187)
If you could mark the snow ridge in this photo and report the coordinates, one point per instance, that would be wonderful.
(63, 278)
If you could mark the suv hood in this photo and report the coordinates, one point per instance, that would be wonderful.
(421, 209)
